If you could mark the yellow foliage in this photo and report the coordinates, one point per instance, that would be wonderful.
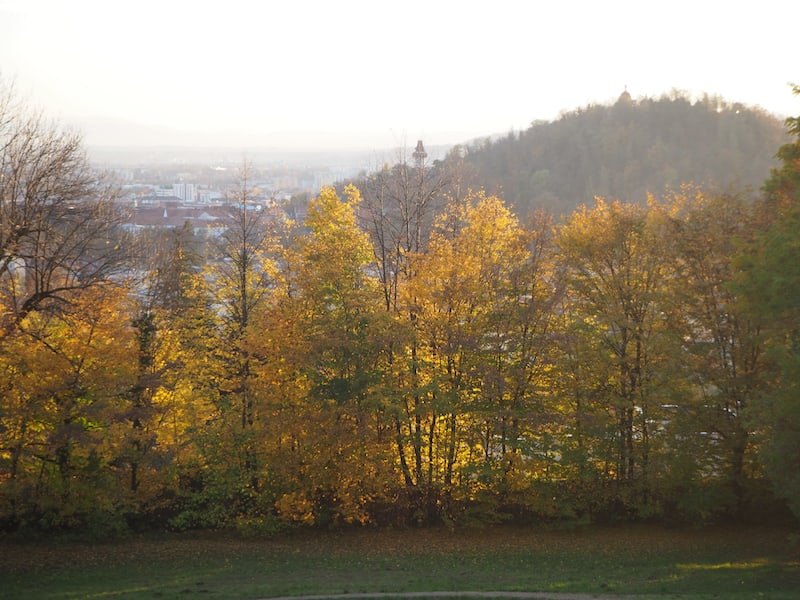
(296, 508)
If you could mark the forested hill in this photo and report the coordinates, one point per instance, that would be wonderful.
(626, 150)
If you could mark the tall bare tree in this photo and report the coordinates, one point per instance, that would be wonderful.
(398, 211)
(58, 222)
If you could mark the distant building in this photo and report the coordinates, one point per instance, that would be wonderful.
(208, 221)
(419, 155)
(184, 191)
(206, 196)
(625, 97)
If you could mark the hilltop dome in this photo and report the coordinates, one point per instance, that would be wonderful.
(625, 97)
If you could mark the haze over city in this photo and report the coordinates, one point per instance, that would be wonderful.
(351, 74)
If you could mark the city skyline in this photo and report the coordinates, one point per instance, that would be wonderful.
(313, 74)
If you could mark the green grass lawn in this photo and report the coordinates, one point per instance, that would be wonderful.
(722, 563)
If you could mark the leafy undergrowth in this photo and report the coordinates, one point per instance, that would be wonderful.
(655, 562)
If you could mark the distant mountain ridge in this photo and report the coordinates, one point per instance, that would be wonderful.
(120, 142)
(111, 135)
(626, 150)
(112, 132)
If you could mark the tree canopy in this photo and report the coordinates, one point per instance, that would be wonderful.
(626, 151)
(413, 352)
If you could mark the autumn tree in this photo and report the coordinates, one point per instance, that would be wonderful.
(169, 299)
(330, 299)
(782, 188)
(61, 325)
(242, 273)
(63, 379)
(616, 278)
(398, 210)
(476, 296)
(723, 359)
(519, 416)
(768, 281)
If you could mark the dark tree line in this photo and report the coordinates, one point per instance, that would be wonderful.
(626, 151)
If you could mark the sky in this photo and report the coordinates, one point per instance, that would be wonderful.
(376, 73)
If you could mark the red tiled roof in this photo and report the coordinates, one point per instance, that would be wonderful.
(176, 216)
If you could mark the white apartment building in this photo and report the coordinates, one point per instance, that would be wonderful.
(185, 191)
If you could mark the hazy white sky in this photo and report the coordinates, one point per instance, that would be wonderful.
(440, 70)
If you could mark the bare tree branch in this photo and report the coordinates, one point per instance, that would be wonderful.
(58, 220)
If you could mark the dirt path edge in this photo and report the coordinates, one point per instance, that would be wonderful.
(441, 594)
